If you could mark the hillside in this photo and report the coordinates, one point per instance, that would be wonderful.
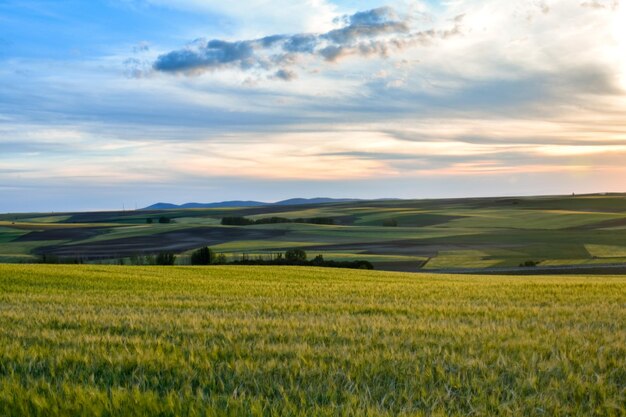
(409, 235)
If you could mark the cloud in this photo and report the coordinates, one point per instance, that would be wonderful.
(214, 54)
(376, 32)
(286, 75)
(597, 4)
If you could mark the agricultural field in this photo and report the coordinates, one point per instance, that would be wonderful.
(104, 340)
(404, 235)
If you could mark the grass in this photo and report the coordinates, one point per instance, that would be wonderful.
(23, 225)
(46, 219)
(20, 252)
(7, 234)
(465, 258)
(607, 251)
(263, 341)
(530, 219)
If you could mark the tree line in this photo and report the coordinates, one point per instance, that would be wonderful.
(206, 256)
(293, 257)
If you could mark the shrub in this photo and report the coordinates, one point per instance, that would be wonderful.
(318, 261)
(236, 221)
(203, 256)
(220, 259)
(297, 255)
(165, 258)
(363, 265)
(49, 259)
(390, 223)
(319, 220)
(164, 220)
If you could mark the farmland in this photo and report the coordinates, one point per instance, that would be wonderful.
(402, 235)
(265, 341)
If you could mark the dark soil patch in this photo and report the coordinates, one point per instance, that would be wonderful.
(395, 247)
(174, 241)
(75, 233)
(601, 225)
(100, 216)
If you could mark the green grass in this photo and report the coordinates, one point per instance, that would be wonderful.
(24, 225)
(263, 341)
(46, 219)
(8, 234)
(20, 252)
(462, 259)
(607, 251)
(530, 219)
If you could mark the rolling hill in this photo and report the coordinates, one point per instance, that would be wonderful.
(479, 234)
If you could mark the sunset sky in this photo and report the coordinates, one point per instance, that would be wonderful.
(113, 103)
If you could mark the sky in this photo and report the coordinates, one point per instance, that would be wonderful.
(112, 104)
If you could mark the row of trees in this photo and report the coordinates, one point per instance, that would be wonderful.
(244, 221)
(162, 220)
(206, 256)
(296, 257)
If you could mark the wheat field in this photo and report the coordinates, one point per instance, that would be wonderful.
(289, 341)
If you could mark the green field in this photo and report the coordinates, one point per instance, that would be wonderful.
(406, 235)
(283, 341)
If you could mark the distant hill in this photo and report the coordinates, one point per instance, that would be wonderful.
(161, 206)
(235, 203)
(239, 203)
(319, 200)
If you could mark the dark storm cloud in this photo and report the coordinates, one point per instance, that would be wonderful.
(372, 32)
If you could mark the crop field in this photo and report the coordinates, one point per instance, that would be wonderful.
(407, 235)
(285, 341)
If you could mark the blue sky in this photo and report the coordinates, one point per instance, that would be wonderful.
(129, 102)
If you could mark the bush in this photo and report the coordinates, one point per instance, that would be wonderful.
(295, 255)
(165, 258)
(220, 259)
(318, 220)
(164, 220)
(203, 256)
(363, 265)
(318, 261)
(149, 220)
(236, 221)
(390, 223)
(529, 264)
(49, 259)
